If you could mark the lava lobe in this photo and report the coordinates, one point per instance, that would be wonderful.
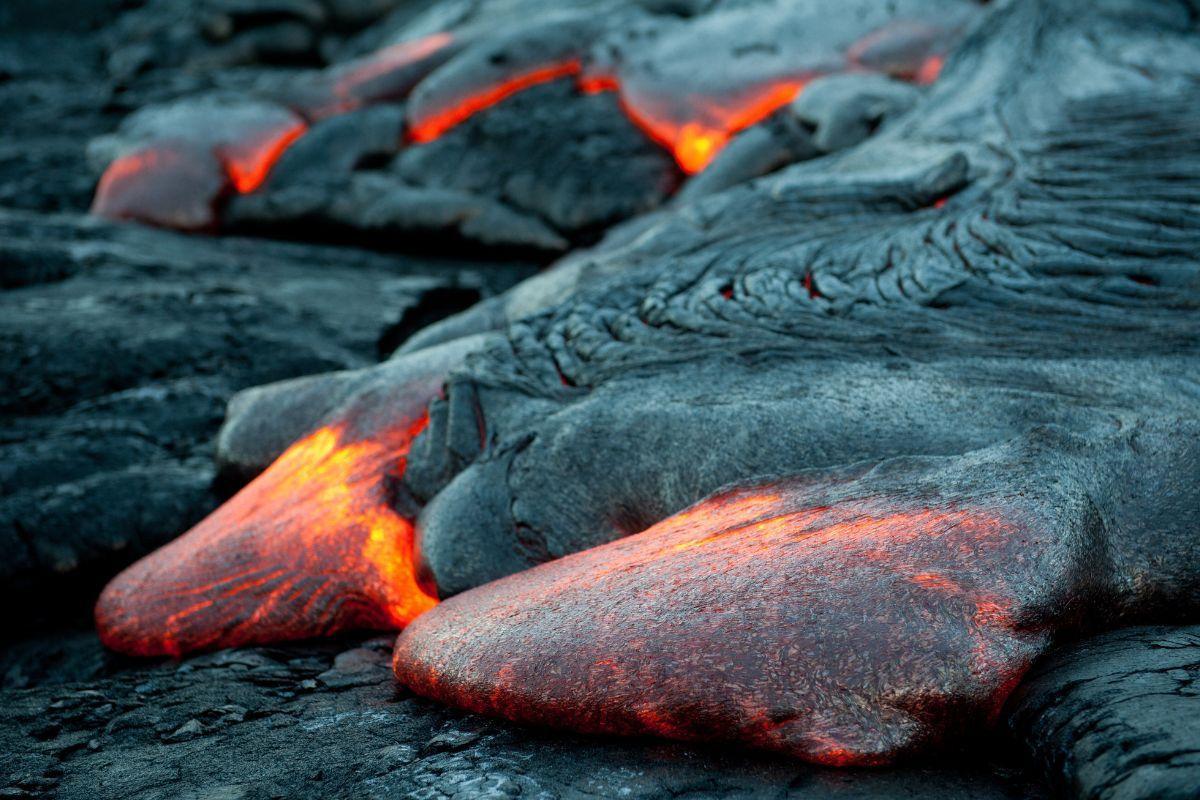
(844, 632)
(175, 165)
(312, 546)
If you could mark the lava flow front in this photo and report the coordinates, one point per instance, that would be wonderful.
(311, 547)
(177, 181)
(192, 156)
(843, 632)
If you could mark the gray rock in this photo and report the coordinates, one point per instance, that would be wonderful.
(1117, 717)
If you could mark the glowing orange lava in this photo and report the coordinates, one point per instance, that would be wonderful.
(694, 125)
(435, 125)
(847, 633)
(695, 146)
(310, 547)
(930, 69)
(248, 162)
(696, 129)
(127, 168)
(169, 184)
(179, 183)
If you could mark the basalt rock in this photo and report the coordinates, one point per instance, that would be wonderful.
(119, 351)
(324, 719)
(978, 322)
(845, 617)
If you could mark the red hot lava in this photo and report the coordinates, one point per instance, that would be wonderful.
(177, 183)
(170, 184)
(178, 179)
(434, 125)
(248, 162)
(311, 547)
(844, 634)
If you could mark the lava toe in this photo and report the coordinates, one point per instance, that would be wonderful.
(317, 543)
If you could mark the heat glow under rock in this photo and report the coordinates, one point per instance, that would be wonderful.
(848, 634)
(183, 169)
(190, 158)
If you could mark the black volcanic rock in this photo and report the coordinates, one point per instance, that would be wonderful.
(973, 270)
(1114, 717)
(325, 720)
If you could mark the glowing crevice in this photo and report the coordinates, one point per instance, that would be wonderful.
(248, 162)
(153, 186)
(433, 126)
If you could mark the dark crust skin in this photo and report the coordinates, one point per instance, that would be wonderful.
(846, 617)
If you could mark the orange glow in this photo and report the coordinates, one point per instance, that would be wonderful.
(849, 633)
(127, 168)
(386, 61)
(310, 547)
(179, 183)
(934, 580)
(694, 125)
(169, 184)
(696, 129)
(695, 147)
(434, 126)
(595, 84)
(249, 162)
(930, 69)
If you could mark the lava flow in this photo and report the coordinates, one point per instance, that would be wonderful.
(177, 183)
(310, 547)
(463, 108)
(388, 74)
(248, 162)
(844, 633)
(179, 176)
(170, 184)
(696, 129)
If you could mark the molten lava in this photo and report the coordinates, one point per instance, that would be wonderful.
(177, 183)
(696, 129)
(843, 633)
(695, 124)
(248, 162)
(929, 70)
(433, 126)
(311, 547)
(170, 184)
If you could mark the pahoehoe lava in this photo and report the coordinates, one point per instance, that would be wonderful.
(817, 455)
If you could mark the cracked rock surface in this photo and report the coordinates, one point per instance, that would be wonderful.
(120, 345)
(326, 720)
(1114, 717)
